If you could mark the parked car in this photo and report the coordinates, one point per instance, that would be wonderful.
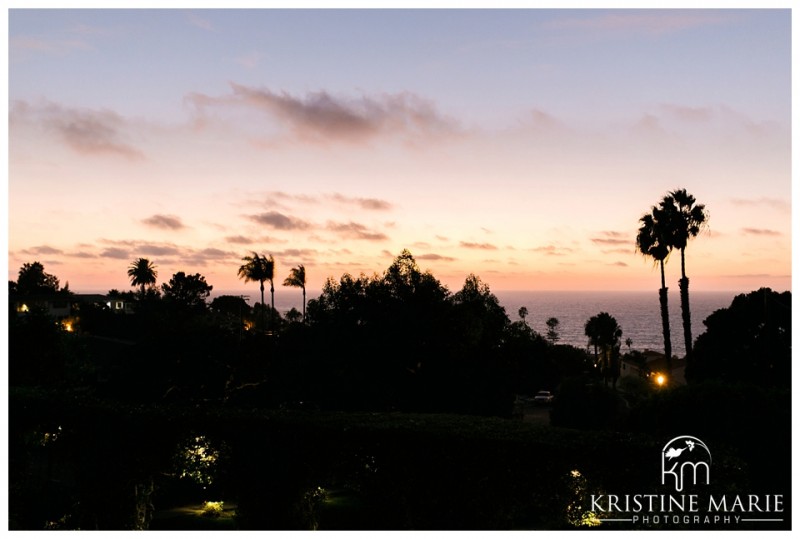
(543, 397)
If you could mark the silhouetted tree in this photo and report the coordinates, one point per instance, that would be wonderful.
(33, 279)
(142, 273)
(685, 220)
(187, 291)
(258, 268)
(653, 240)
(750, 341)
(293, 315)
(604, 333)
(552, 330)
(231, 305)
(297, 278)
(481, 325)
(523, 312)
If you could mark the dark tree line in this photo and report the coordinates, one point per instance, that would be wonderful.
(400, 340)
(396, 341)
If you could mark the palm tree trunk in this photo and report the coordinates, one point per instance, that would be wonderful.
(272, 310)
(662, 297)
(263, 307)
(686, 313)
(304, 304)
(663, 300)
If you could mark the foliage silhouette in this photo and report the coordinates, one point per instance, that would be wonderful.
(142, 273)
(749, 341)
(187, 292)
(652, 240)
(32, 279)
(684, 221)
(604, 334)
(259, 268)
(297, 278)
(552, 329)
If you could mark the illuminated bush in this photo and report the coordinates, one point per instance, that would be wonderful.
(197, 460)
(213, 509)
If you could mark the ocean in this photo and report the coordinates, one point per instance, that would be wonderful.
(637, 313)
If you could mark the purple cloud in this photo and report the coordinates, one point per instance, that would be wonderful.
(320, 116)
(355, 231)
(166, 222)
(280, 221)
(473, 245)
(88, 132)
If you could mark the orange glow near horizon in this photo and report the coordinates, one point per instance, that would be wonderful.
(340, 170)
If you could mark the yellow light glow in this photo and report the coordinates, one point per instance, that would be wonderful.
(661, 379)
(213, 509)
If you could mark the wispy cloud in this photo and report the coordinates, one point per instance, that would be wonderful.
(612, 238)
(155, 249)
(473, 245)
(283, 200)
(435, 257)
(115, 253)
(203, 257)
(86, 131)
(687, 113)
(280, 221)
(322, 117)
(241, 240)
(363, 203)
(552, 250)
(42, 250)
(355, 231)
(82, 254)
(648, 22)
(760, 232)
(164, 222)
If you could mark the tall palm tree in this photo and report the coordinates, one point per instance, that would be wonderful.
(297, 278)
(652, 241)
(142, 273)
(269, 264)
(258, 269)
(685, 220)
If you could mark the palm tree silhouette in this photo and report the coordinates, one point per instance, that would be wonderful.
(604, 333)
(653, 240)
(142, 273)
(259, 268)
(685, 221)
(297, 278)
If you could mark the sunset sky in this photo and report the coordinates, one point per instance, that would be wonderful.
(518, 145)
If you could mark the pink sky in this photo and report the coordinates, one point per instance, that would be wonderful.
(523, 149)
